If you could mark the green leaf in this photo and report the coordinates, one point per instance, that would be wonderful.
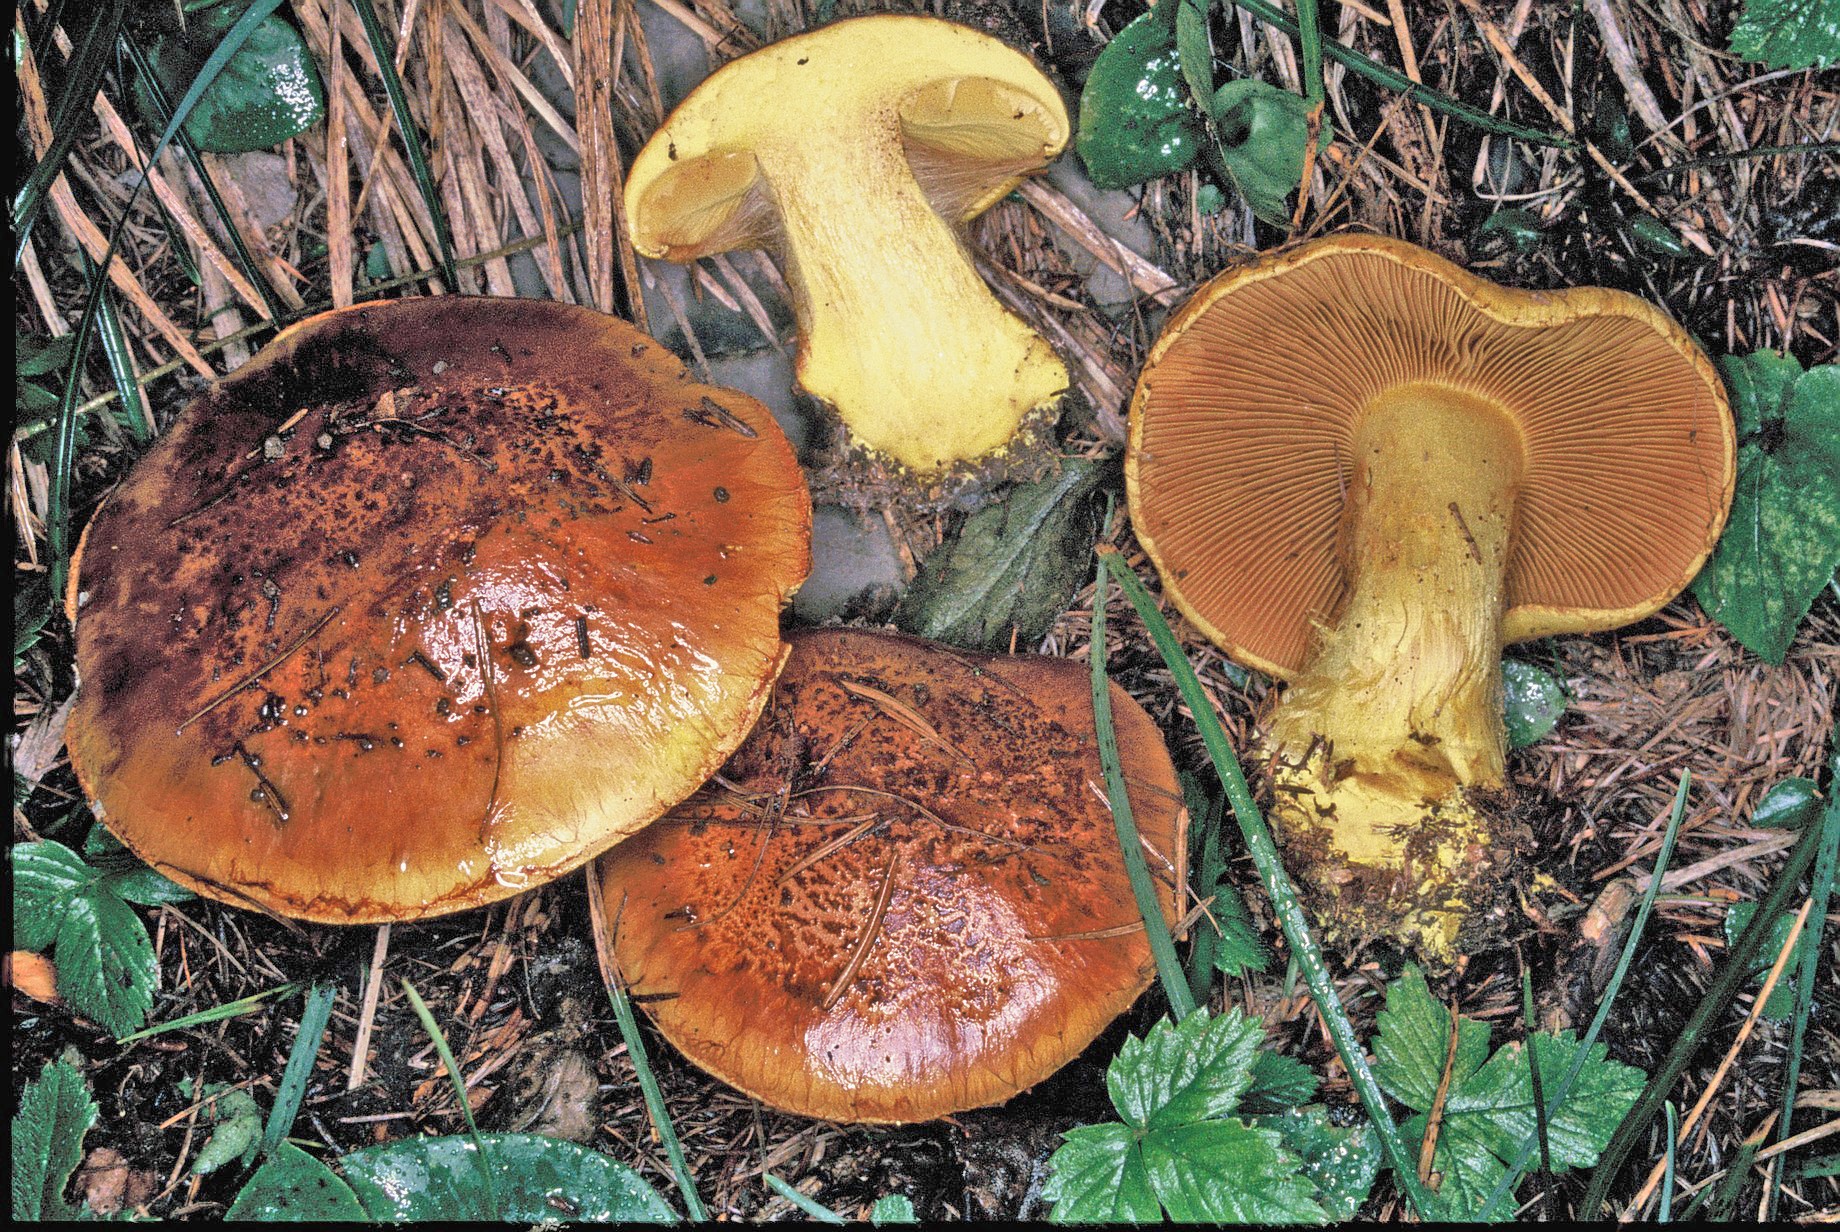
(268, 92)
(46, 877)
(1238, 948)
(125, 876)
(104, 960)
(1184, 1072)
(33, 603)
(238, 1129)
(1412, 1044)
(1513, 228)
(55, 1111)
(1014, 564)
(1532, 701)
(895, 1208)
(1340, 1163)
(1782, 543)
(1097, 1176)
(1135, 124)
(1781, 1005)
(1262, 133)
(1227, 1172)
(1278, 1083)
(1788, 33)
(536, 1179)
(1788, 805)
(293, 1187)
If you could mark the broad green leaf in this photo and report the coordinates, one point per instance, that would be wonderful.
(1782, 542)
(105, 962)
(47, 877)
(1789, 805)
(1413, 1043)
(268, 92)
(55, 1111)
(1135, 123)
(1788, 33)
(1238, 948)
(1532, 701)
(1262, 133)
(535, 1179)
(1781, 1005)
(237, 1133)
(1227, 1171)
(1014, 564)
(1513, 228)
(1184, 1072)
(1495, 1108)
(1340, 1163)
(124, 875)
(293, 1187)
(895, 1208)
(1097, 1176)
(1464, 1172)
(1278, 1083)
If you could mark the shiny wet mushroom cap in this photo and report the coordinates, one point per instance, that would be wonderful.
(904, 896)
(428, 604)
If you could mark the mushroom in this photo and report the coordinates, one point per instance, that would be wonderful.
(427, 604)
(904, 896)
(853, 151)
(1362, 470)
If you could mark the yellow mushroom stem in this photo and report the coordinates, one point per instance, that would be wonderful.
(1392, 727)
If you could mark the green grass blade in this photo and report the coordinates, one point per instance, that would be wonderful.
(89, 59)
(1511, 1178)
(1284, 901)
(459, 1083)
(217, 1013)
(121, 366)
(1732, 976)
(405, 124)
(1207, 812)
(1309, 33)
(811, 1206)
(654, 1097)
(1382, 75)
(1533, 1071)
(1823, 890)
(1162, 947)
(293, 1087)
(1666, 1213)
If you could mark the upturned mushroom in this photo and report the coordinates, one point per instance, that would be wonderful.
(1364, 471)
(853, 152)
(427, 604)
(904, 896)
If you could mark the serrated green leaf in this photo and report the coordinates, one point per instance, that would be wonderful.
(268, 92)
(1134, 121)
(1097, 1176)
(1015, 564)
(1782, 542)
(55, 1111)
(1465, 1174)
(1788, 33)
(237, 1133)
(1781, 1004)
(1227, 1171)
(1238, 948)
(1278, 1083)
(105, 962)
(1262, 133)
(1532, 701)
(1788, 805)
(894, 1208)
(47, 876)
(293, 1187)
(1184, 1072)
(1412, 1044)
(1340, 1162)
(536, 1179)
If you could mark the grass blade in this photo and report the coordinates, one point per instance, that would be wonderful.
(1284, 901)
(1823, 889)
(1379, 73)
(230, 1009)
(1666, 1213)
(1207, 812)
(1309, 33)
(89, 59)
(1162, 947)
(293, 1087)
(1533, 1070)
(1732, 976)
(405, 124)
(459, 1083)
(811, 1206)
(121, 365)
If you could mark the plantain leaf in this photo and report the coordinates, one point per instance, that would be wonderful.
(1135, 123)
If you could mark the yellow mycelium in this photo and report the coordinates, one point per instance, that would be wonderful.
(1397, 713)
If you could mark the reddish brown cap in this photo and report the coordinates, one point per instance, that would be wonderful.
(904, 897)
(1242, 424)
(429, 603)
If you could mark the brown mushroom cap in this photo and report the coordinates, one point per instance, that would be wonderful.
(905, 896)
(1242, 424)
(429, 603)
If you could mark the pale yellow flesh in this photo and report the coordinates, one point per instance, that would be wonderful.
(812, 135)
(1398, 709)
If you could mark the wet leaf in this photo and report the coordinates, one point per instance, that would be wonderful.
(268, 92)
(1238, 948)
(293, 1187)
(124, 875)
(1789, 805)
(1781, 1005)
(1262, 134)
(1655, 235)
(1782, 543)
(104, 960)
(1278, 1084)
(55, 1111)
(1018, 563)
(1135, 123)
(1341, 1163)
(237, 1132)
(534, 1179)
(895, 1208)
(1514, 228)
(1788, 33)
(1532, 701)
